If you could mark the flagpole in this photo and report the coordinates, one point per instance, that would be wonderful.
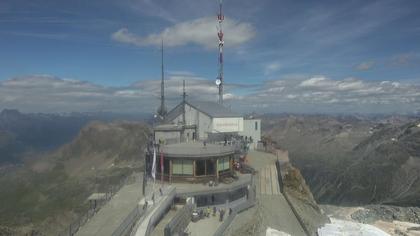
(161, 167)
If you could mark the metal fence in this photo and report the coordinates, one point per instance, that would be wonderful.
(180, 221)
(72, 229)
(129, 222)
(236, 210)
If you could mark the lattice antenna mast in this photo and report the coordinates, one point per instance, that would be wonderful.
(162, 109)
(184, 99)
(220, 79)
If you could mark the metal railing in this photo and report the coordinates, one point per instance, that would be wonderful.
(180, 221)
(129, 222)
(160, 212)
(74, 227)
(236, 210)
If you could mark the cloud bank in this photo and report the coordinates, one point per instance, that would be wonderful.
(200, 31)
(303, 94)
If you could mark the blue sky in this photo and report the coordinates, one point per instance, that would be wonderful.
(350, 51)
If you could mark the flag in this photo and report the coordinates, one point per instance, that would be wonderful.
(154, 164)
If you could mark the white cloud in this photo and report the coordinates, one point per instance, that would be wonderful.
(322, 94)
(44, 93)
(200, 31)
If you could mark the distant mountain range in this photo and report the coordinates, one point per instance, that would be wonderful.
(21, 134)
(353, 160)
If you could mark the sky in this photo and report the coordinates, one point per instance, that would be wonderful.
(356, 56)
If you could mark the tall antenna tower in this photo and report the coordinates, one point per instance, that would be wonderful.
(162, 109)
(219, 81)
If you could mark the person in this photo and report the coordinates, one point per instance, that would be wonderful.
(160, 190)
(222, 213)
(153, 198)
(208, 211)
(230, 211)
(214, 211)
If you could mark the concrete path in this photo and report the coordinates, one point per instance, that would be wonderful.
(272, 209)
(115, 211)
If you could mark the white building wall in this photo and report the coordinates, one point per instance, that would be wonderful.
(195, 117)
(252, 128)
(228, 124)
(168, 137)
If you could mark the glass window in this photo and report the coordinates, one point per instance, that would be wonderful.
(187, 167)
(223, 164)
(177, 167)
(182, 167)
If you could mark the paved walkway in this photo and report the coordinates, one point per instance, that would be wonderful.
(112, 214)
(272, 209)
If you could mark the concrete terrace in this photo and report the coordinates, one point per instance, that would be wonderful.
(112, 214)
(271, 210)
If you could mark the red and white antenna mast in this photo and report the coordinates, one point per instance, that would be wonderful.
(219, 81)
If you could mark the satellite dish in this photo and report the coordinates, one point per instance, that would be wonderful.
(218, 82)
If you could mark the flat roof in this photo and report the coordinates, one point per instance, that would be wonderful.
(195, 150)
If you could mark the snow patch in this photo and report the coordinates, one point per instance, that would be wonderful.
(274, 232)
(347, 228)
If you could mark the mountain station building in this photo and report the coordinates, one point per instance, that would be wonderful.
(200, 140)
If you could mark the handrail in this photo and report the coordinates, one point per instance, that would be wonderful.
(235, 211)
(129, 222)
(180, 221)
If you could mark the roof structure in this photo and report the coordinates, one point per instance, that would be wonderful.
(212, 109)
(196, 150)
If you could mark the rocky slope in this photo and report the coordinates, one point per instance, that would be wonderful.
(353, 160)
(302, 199)
(47, 193)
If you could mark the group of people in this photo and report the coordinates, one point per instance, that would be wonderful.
(208, 211)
